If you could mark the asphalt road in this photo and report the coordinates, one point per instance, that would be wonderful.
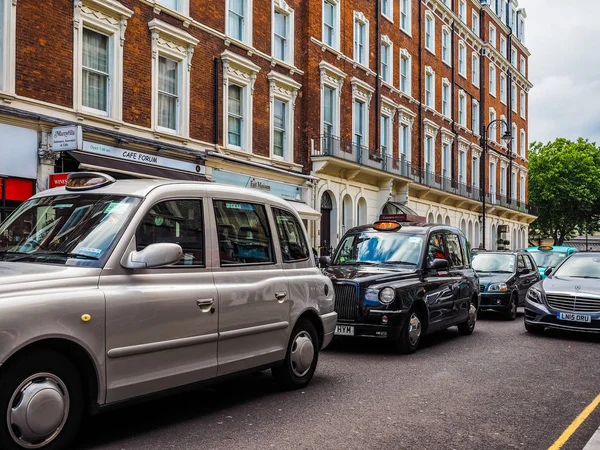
(500, 388)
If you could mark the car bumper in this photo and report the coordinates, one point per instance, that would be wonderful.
(374, 328)
(543, 315)
(498, 301)
(329, 321)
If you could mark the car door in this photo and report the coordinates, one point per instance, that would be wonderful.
(523, 277)
(439, 294)
(254, 303)
(460, 282)
(162, 323)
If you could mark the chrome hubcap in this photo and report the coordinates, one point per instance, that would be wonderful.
(38, 410)
(303, 354)
(414, 329)
(472, 315)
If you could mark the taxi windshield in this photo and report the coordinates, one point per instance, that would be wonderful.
(78, 229)
(548, 259)
(380, 248)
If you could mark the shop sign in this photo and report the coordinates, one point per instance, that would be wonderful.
(142, 158)
(286, 191)
(57, 180)
(66, 138)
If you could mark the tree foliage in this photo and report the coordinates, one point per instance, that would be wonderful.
(564, 183)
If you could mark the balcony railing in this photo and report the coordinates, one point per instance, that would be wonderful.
(342, 149)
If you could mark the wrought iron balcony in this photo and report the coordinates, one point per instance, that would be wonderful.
(335, 147)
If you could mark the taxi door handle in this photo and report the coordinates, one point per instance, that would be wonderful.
(206, 305)
(280, 296)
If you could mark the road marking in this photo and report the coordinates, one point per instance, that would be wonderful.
(594, 443)
(575, 424)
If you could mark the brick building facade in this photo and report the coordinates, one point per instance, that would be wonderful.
(280, 95)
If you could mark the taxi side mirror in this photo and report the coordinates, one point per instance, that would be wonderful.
(155, 255)
(325, 261)
(439, 264)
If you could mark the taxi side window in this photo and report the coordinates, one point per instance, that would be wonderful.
(436, 248)
(455, 252)
(175, 222)
(243, 232)
(291, 237)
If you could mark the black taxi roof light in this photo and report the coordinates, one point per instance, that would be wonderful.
(82, 181)
(386, 225)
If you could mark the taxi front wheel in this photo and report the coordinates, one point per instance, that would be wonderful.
(301, 358)
(411, 334)
(42, 399)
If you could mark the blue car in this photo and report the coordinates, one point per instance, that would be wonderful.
(547, 256)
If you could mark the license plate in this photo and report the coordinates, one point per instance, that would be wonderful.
(344, 330)
(573, 317)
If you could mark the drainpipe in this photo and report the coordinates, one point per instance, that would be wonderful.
(377, 76)
(216, 122)
(509, 116)
(454, 97)
(421, 69)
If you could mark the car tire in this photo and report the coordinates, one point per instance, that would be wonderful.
(47, 383)
(511, 313)
(301, 357)
(410, 338)
(468, 326)
(534, 329)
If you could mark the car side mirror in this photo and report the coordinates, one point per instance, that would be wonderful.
(548, 271)
(523, 271)
(325, 261)
(439, 264)
(155, 255)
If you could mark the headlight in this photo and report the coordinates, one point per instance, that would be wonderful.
(497, 287)
(534, 295)
(387, 295)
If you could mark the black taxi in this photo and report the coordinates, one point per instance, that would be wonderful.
(399, 281)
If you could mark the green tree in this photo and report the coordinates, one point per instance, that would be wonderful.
(564, 183)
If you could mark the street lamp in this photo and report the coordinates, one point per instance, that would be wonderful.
(507, 137)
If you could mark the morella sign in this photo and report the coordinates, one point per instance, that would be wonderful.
(142, 158)
(66, 138)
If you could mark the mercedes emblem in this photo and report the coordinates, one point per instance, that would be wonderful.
(577, 288)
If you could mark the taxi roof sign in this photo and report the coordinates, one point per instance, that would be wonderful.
(545, 247)
(83, 181)
(387, 225)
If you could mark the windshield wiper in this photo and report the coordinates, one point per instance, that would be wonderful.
(67, 255)
(586, 277)
(499, 271)
(398, 262)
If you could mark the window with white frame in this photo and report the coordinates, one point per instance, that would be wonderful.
(523, 144)
(283, 32)
(492, 186)
(332, 80)
(405, 71)
(446, 44)
(239, 75)
(429, 31)
(522, 30)
(523, 66)
(280, 129)
(502, 181)
(515, 138)
(361, 39)
(462, 10)
(405, 142)
(386, 135)
(475, 116)
(513, 97)
(387, 9)
(239, 20)
(493, 135)
(429, 87)
(462, 59)
(475, 23)
(492, 36)
(475, 69)
(181, 6)
(523, 105)
(462, 167)
(503, 88)
(492, 79)
(513, 185)
(329, 111)
(387, 63)
(502, 10)
(446, 98)
(429, 154)
(513, 56)
(503, 130)
(98, 46)
(475, 171)
(406, 16)
(359, 119)
(283, 93)
(446, 161)
(172, 51)
(522, 190)
(462, 108)
(503, 46)
(331, 23)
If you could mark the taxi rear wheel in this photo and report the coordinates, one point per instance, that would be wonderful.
(468, 326)
(411, 333)
(301, 358)
(41, 397)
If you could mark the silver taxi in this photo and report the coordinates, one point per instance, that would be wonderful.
(112, 290)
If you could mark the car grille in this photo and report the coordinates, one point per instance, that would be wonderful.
(572, 303)
(346, 301)
(481, 288)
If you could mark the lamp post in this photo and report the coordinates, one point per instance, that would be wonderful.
(507, 137)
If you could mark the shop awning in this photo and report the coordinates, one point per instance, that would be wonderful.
(305, 211)
(105, 164)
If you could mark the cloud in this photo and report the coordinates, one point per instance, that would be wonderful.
(565, 69)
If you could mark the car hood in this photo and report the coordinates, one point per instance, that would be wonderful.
(21, 278)
(580, 286)
(489, 278)
(368, 274)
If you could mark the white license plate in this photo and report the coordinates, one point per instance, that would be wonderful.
(574, 317)
(344, 330)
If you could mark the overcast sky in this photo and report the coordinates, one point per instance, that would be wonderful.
(563, 38)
